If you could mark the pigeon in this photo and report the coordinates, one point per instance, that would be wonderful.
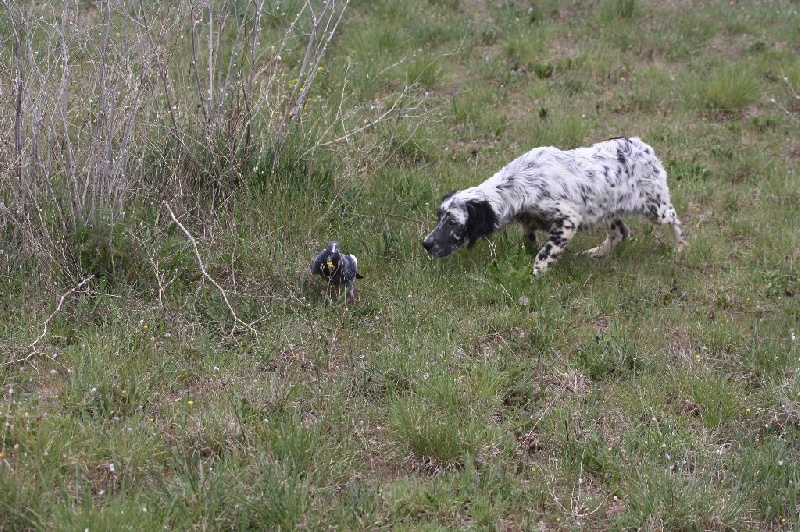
(336, 267)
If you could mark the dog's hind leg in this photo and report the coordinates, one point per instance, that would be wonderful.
(663, 213)
(617, 232)
(560, 234)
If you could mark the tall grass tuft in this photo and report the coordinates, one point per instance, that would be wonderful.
(726, 90)
(612, 10)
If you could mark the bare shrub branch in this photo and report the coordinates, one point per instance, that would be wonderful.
(325, 24)
(119, 106)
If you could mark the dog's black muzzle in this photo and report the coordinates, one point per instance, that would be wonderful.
(438, 249)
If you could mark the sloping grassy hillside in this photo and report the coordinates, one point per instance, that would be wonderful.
(168, 361)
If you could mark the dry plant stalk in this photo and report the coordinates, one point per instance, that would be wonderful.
(206, 275)
(31, 348)
(795, 95)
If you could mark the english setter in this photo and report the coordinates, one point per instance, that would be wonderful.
(561, 192)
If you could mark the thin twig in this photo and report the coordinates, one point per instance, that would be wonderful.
(796, 96)
(32, 345)
(290, 31)
(160, 65)
(210, 62)
(20, 84)
(318, 55)
(195, 66)
(205, 273)
(248, 89)
(327, 22)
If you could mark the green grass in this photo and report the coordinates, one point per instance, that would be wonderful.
(642, 390)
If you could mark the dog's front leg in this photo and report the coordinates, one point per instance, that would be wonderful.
(529, 238)
(561, 233)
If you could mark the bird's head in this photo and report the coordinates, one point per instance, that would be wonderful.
(332, 257)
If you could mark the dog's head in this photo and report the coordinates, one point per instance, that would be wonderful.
(461, 221)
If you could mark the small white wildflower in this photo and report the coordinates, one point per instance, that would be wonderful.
(111, 468)
(94, 391)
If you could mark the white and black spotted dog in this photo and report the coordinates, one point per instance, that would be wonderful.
(561, 192)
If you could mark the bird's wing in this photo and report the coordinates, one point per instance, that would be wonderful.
(317, 263)
(355, 265)
(351, 268)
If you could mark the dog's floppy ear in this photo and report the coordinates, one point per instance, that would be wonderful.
(481, 220)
